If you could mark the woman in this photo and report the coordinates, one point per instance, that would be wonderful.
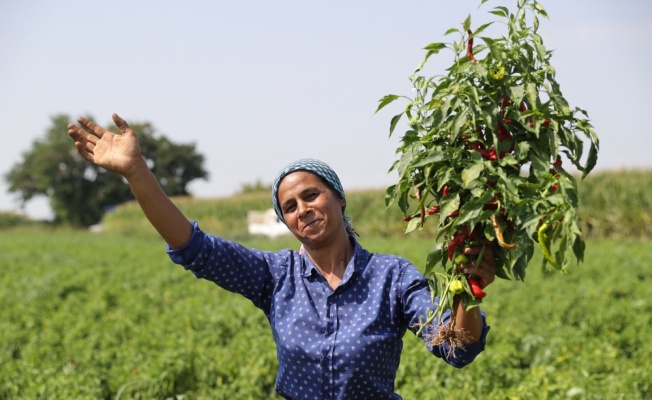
(337, 312)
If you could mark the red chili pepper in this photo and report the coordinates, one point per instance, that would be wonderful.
(503, 133)
(445, 191)
(557, 162)
(490, 206)
(476, 288)
(489, 154)
(546, 122)
(469, 48)
(554, 172)
(454, 214)
(457, 241)
(407, 218)
(433, 210)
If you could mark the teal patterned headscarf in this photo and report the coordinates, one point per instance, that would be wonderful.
(323, 171)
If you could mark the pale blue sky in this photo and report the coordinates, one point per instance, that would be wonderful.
(257, 84)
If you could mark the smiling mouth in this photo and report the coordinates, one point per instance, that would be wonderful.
(311, 223)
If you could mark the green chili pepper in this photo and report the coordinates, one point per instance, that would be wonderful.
(544, 242)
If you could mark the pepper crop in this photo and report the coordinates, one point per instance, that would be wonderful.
(482, 145)
(456, 287)
(476, 288)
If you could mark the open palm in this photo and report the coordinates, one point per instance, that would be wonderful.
(116, 153)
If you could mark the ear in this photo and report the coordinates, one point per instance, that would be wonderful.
(342, 204)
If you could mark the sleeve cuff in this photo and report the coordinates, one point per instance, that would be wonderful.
(187, 253)
(468, 352)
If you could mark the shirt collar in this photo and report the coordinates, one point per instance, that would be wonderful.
(309, 268)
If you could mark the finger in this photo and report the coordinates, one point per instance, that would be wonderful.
(92, 126)
(120, 123)
(487, 253)
(81, 149)
(81, 135)
(485, 271)
(89, 147)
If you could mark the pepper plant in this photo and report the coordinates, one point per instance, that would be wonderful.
(482, 154)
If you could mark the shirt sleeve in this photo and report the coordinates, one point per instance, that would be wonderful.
(230, 265)
(416, 298)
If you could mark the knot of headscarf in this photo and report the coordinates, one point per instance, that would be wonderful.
(323, 171)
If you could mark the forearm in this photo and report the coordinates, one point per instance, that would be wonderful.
(470, 321)
(161, 212)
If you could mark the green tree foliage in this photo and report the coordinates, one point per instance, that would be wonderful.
(80, 192)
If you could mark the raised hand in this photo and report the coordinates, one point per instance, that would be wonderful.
(116, 153)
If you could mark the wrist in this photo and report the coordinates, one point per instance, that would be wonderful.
(137, 170)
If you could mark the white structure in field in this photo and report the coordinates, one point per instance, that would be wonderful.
(266, 223)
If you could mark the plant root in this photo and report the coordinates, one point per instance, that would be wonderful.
(447, 334)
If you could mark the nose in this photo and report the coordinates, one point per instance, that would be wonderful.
(303, 208)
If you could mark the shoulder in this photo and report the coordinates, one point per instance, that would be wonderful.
(390, 263)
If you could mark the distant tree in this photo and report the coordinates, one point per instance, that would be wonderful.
(80, 192)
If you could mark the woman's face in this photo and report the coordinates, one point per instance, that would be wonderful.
(311, 210)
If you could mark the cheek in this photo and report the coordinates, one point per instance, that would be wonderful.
(290, 220)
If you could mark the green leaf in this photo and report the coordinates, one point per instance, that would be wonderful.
(540, 164)
(385, 101)
(473, 209)
(507, 183)
(450, 204)
(531, 93)
(413, 224)
(393, 123)
(459, 122)
(481, 28)
(434, 258)
(471, 173)
(578, 249)
(539, 8)
(591, 160)
(433, 157)
(434, 48)
(390, 195)
(467, 23)
(403, 203)
(516, 94)
(409, 154)
(500, 11)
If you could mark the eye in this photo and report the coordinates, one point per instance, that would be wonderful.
(289, 208)
(311, 196)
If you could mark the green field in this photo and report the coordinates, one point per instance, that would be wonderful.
(108, 316)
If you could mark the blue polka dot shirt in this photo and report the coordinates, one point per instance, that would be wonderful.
(331, 344)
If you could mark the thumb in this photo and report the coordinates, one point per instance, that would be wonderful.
(120, 123)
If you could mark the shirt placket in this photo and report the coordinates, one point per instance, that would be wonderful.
(328, 361)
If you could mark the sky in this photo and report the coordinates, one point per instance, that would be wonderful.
(258, 84)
